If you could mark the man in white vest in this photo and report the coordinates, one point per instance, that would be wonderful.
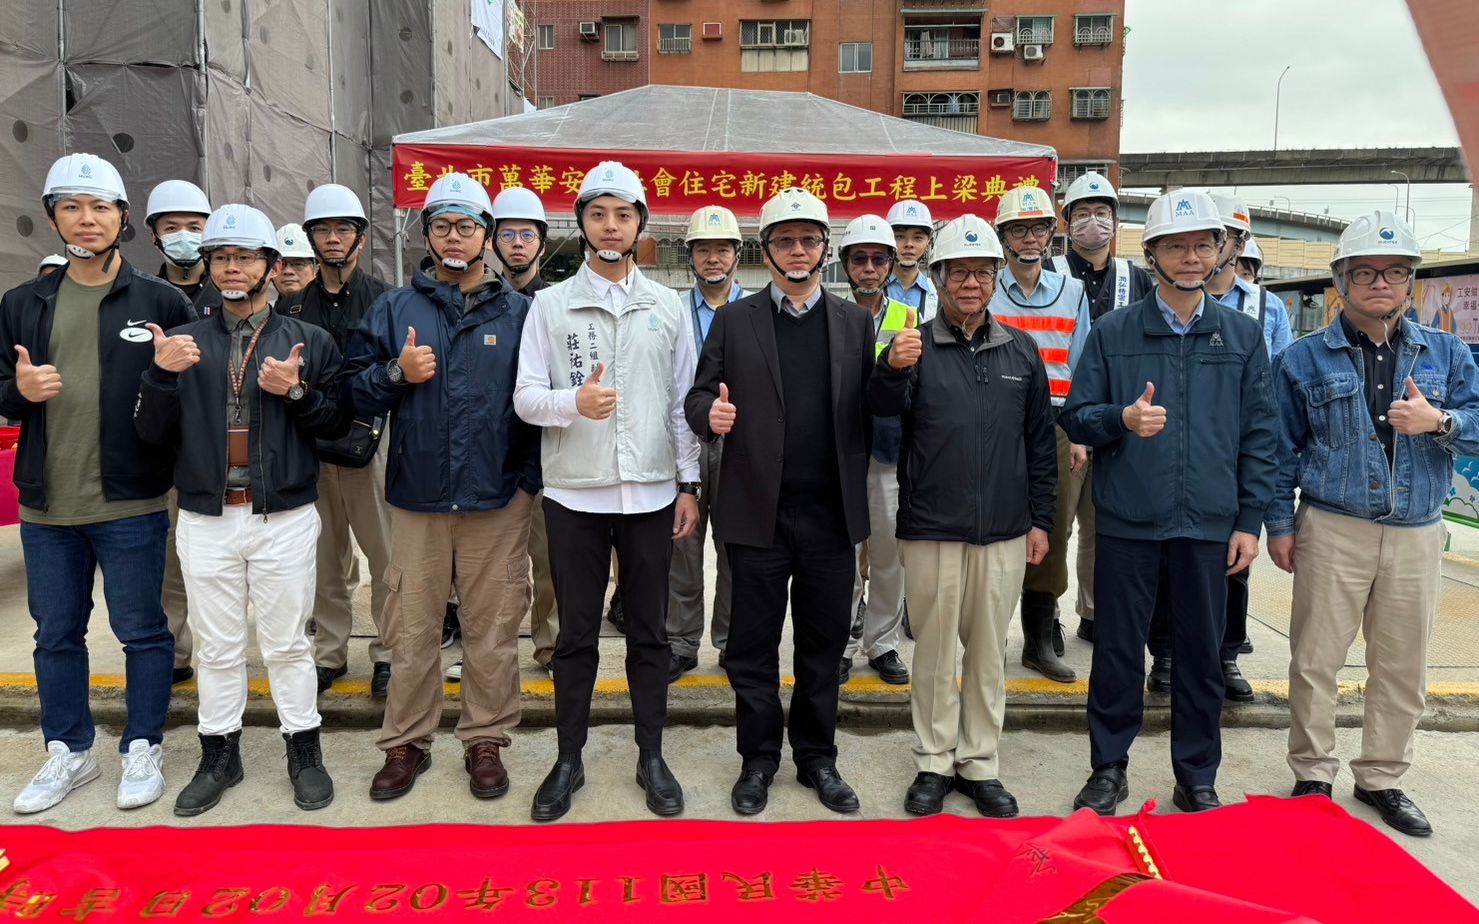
(606, 361)
(1091, 214)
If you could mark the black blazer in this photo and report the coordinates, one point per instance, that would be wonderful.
(740, 351)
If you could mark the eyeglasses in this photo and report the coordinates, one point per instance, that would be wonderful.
(1036, 229)
(509, 235)
(959, 274)
(325, 229)
(441, 227)
(1177, 250)
(809, 242)
(864, 259)
(1366, 275)
(297, 265)
(236, 259)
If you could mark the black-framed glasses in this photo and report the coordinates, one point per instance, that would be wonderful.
(1035, 229)
(864, 259)
(441, 227)
(324, 229)
(509, 235)
(237, 259)
(959, 274)
(1394, 275)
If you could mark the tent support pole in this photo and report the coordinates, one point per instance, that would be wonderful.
(400, 247)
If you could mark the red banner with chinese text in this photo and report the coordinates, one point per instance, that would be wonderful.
(678, 182)
(1269, 860)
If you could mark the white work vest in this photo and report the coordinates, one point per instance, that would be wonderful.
(1121, 278)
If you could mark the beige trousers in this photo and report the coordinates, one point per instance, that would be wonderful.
(350, 500)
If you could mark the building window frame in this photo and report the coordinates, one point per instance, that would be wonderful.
(1034, 30)
(675, 38)
(850, 57)
(941, 103)
(626, 32)
(1090, 102)
(1032, 106)
(775, 33)
(1093, 29)
(545, 36)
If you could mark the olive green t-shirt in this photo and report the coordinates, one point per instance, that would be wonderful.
(74, 476)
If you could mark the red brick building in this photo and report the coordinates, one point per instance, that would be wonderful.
(586, 48)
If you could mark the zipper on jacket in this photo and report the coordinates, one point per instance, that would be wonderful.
(1185, 437)
(982, 487)
(261, 453)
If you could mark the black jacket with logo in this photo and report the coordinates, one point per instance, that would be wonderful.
(339, 314)
(979, 461)
(187, 411)
(131, 468)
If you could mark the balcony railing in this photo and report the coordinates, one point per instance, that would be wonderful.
(1099, 35)
(1034, 36)
(963, 107)
(1032, 110)
(942, 52)
(675, 46)
(609, 55)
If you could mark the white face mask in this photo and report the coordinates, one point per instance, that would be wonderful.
(1091, 231)
(182, 247)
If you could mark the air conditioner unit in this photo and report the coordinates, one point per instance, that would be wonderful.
(1003, 43)
(794, 37)
(713, 30)
(588, 29)
(1032, 53)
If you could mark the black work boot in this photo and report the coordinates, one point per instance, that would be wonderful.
(312, 788)
(219, 770)
(1037, 627)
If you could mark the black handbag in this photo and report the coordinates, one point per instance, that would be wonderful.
(356, 448)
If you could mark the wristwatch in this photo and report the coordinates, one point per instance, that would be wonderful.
(1445, 424)
(297, 392)
(689, 487)
(395, 372)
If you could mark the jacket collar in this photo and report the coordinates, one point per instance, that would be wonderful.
(1335, 338)
(47, 286)
(942, 335)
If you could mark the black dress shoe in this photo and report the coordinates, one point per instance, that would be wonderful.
(856, 629)
(1246, 647)
(1159, 680)
(678, 665)
(180, 675)
(664, 795)
(1397, 810)
(1311, 788)
(327, 676)
(451, 624)
(380, 680)
(844, 671)
(991, 798)
(1195, 798)
(1086, 630)
(908, 629)
(890, 667)
(552, 799)
(751, 792)
(1106, 789)
(1236, 688)
(926, 795)
(616, 614)
(723, 665)
(832, 791)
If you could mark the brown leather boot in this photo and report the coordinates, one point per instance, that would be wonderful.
(402, 765)
(486, 777)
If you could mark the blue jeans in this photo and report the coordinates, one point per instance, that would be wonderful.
(60, 564)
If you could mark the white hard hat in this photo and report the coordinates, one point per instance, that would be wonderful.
(1090, 186)
(1380, 234)
(176, 196)
(911, 213)
(612, 178)
(522, 204)
(83, 175)
(713, 223)
(51, 259)
(1024, 203)
(1251, 251)
(1182, 210)
(867, 229)
(1234, 212)
(966, 237)
(793, 204)
(458, 192)
(238, 225)
(332, 201)
(292, 242)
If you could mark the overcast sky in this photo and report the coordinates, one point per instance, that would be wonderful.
(1359, 78)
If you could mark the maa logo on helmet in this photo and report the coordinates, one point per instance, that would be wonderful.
(1183, 207)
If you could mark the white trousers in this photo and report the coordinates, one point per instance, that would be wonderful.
(884, 618)
(234, 560)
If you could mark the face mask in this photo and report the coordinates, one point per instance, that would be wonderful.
(182, 247)
(1091, 231)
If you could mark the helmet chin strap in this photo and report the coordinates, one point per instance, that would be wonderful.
(610, 256)
(798, 276)
(239, 295)
(342, 262)
(456, 264)
(907, 264)
(1017, 254)
(1177, 284)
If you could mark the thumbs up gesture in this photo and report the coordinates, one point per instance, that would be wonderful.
(908, 344)
(721, 412)
(1143, 418)
(1413, 415)
(593, 399)
(417, 362)
(279, 376)
(36, 383)
(173, 354)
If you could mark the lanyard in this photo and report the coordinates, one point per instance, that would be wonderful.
(237, 376)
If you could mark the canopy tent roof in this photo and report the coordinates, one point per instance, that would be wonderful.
(713, 119)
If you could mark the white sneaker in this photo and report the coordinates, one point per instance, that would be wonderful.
(63, 772)
(455, 672)
(143, 774)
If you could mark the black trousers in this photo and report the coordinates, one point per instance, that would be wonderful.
(1232, 636)
(1128, 578)
(814, 557)
(580, 562)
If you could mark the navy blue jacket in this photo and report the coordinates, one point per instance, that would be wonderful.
(1211, 470)
(456, 445)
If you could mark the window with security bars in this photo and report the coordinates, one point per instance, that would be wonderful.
(1067, 173)
(1032, 106)
(1034, 30)
(675, 38)
(1090, 102)
(932, 104)
(1093, 29)
(855, 57)
(775, 33)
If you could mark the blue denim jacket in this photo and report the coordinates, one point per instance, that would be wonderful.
(1329, 448)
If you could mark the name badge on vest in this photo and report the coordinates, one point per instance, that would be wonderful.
(1121, 282)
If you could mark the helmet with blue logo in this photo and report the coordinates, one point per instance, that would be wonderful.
(713, 223)
(911, 213)
(966, 237)
(1090, 187)
(238, 225)
(292, 242)
(460, 193)
(1379, 234)
(83, 175)
(1181, 211)
(1025, 203)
